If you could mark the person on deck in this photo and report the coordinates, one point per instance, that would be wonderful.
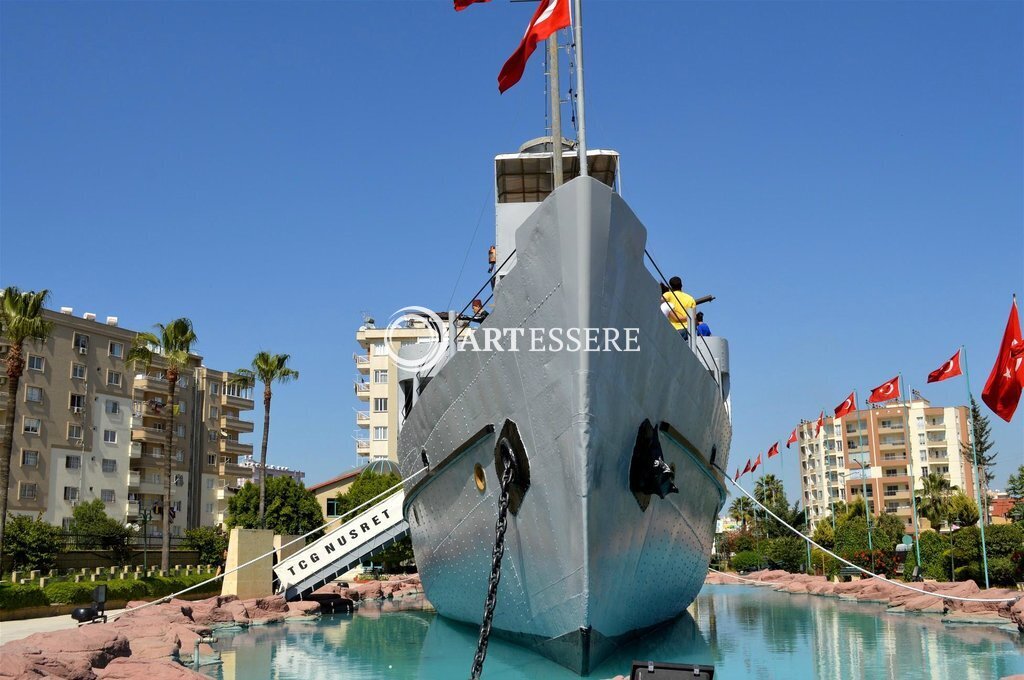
(702, 328)
(492, 259)
(680, 302)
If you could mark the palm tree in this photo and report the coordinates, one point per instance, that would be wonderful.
(267, 368)
(768, 491)
(21, 319)
(741, 510)
(174, 346)
(933, 502)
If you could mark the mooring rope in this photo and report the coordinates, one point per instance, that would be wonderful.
(851, 564)
(738, 578)
(334, 520)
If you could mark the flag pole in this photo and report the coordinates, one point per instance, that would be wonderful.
(555, 93)
(828, 480)
(974, 456)
(863, 479)
(910, 468)
(581, 134)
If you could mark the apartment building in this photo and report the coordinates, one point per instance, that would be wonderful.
(89, 426)
(272, 471)
(883, 453)
(377, 387)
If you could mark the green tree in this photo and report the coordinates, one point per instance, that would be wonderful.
(823, 534)
(933, 502)
(787, 552)
(291, 508)
(1015, 490)
(742, 510)
(95, 529)
(32, 543)
(268, 369)
(210, 542)
(963, 511)
(173, 346)
(21, 319)
(983, 446)
(368, 486)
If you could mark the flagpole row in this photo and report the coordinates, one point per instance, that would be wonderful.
(974, 456)
(910, 468)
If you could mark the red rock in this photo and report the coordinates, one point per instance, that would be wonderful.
(303, 608)
(277, 603)
(68, 653)
(370, 590)
(1017, 614)
(132, 669)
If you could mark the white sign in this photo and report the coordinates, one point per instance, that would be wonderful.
(345, 540)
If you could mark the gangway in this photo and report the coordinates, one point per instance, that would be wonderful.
(343, 548)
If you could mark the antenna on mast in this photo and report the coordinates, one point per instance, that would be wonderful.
(557, 175)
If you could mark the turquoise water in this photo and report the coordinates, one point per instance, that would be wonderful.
(744, 631)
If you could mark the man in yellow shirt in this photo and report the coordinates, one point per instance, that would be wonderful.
(679, 302)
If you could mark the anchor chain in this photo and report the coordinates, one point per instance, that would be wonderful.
(508, 460)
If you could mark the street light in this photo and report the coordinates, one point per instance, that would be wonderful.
(145, 516)
(867, 508)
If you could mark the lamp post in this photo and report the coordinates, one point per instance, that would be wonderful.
(867, 508)
(144, 518)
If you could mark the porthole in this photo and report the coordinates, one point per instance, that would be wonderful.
(479, 478)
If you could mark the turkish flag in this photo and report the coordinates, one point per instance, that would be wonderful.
(774, 450)
(1003, 388)
(888, 390)
(848, 406)
(736, 478)
(950, 369)
(756, 463)
(792, 438)
(550, 16)
(747, 468)
(463, 4)
(821, 424)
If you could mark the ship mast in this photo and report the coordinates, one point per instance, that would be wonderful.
(556, 112)
(581, 136)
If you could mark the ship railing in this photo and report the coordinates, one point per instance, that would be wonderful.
(491, 281)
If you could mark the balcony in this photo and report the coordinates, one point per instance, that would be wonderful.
(135, 451)
(362, 362)
(235, 424)
(242, 403)
(233, 447)
(363, 418)
(134, 478)
(223, 493)
(363, 390)
(935, 424)
(892, 444)
(232, 472)
(150, 435)
(152, 488)
(133, 508)
(149, 383)
(363, 447)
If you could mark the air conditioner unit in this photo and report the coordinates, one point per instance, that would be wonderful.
(74, 503)
(77, 409)
(83, 350)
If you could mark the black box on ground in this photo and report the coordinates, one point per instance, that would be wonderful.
(658, 670)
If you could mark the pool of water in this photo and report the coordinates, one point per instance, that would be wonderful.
(744, 631)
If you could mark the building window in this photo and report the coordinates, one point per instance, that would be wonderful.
(27, 491)
(107, 495)
(332, 507)
(78, 371)
(154, 477)
(211, 435)
(34, 394)
(35, 363)
(76, 402)
(114, 378)
(72, 462)
(211, 459)
(380, 433)
(380, 349)
(214, 388)
(65, 523)
(179, 430)
(209, 508)
(233, 390)
(179, 455)
(81, 342)
(214, 413)
(113, 407)
(380, 376)
(109, 465)
(109, 436)
(71, 493)
(115, 349)
(380, 404)
(209, 482)
(74, 431)
(31, 426)
(29, 458)
(182, 407)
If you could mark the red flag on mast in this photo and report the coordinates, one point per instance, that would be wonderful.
(550, 16)
(792, 437)
(950, 369)
(463, 4)
(756, 463)
(848, 406)
(737, 477)
(821, 424)
(888, 390)
(774, 450)
(1003, 388)
(746, 468)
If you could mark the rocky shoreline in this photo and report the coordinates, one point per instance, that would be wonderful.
(897, 599)
(156, 641)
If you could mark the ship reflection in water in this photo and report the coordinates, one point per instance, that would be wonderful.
(745, 632)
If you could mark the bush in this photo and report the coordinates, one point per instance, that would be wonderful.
(1003, 540)
(69, 593)
(210, 542)
(18, 596)
(95, 529)
(746, 560)
(786, 553)
(828, 564)
(31, 543)
(934, 556)
(127, 589)
(1002, 571)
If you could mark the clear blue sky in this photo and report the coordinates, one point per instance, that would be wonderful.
(845, 177)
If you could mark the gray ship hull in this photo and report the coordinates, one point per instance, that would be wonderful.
(585, 565)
